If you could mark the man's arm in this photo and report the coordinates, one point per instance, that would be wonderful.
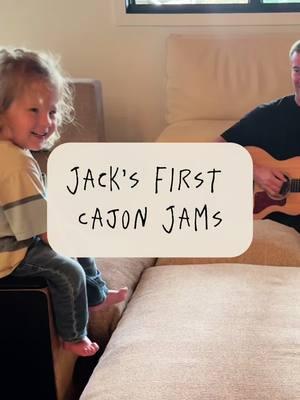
(270, 180)
(220, 139)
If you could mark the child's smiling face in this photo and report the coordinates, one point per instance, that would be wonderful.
(31, 118)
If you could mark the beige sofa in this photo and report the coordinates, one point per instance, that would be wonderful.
(208, 329)
(198, 328)
(213, 80)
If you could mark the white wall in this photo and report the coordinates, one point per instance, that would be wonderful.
(126, 53)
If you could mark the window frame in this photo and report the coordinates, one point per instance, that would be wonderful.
(254, 6)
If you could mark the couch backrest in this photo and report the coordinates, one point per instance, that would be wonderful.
(223, 77)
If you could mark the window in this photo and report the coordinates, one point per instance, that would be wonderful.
(210, 6)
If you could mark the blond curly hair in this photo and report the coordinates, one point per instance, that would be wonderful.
(19, 67)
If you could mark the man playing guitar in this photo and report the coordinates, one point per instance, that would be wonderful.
(275, 128)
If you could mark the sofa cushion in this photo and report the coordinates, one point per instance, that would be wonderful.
(194, 131)
(222, 77)
(272, 244)
(212, 332)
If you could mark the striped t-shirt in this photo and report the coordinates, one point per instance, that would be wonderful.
(23, 207)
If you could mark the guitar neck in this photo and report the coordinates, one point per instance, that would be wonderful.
(294, 185)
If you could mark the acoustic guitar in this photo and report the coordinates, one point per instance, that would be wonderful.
(288, 199)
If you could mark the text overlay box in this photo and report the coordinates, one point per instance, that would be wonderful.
(150, 199)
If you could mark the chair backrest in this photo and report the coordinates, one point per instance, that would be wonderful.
(88, 125)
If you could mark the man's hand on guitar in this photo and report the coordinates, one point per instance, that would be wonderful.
(270, 180)
(276, 186)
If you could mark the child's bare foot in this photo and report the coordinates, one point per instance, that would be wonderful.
(113, 297)
(84, 348)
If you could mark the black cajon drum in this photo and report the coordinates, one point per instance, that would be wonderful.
(27, 370)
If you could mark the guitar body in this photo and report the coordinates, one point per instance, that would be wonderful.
(289, 201)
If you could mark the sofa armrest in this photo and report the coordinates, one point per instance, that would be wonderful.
(117, 272)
